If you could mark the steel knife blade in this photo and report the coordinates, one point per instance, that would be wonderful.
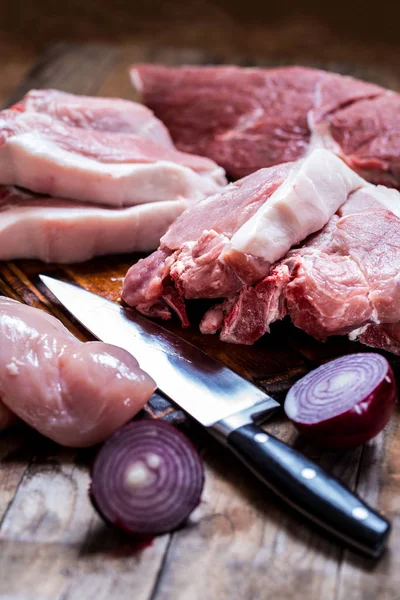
(202, 386)
(231, 409)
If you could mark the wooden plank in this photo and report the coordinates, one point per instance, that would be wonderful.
(360, 578)
(13, 68)
(52, 544)
(110, 569)
(15, 454)
(241, 542)
(244, 545)
(73, 68)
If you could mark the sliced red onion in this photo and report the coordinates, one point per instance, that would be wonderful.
(147, 478)
(344, 403)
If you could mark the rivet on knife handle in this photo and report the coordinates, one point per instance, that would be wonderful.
(310, 489)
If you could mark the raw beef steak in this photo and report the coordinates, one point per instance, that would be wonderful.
(249, 118)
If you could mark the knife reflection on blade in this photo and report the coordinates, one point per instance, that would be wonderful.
(231, 408)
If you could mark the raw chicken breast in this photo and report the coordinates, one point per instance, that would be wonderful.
(62, 231)
(42, 154)
(101, 114)
(73, 392)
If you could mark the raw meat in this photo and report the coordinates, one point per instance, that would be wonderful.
(230, 240)
(75, 393)
(101, 114)
(385, 337)
(249, 118)
(62, 231)
(46, 156)
(343, 279)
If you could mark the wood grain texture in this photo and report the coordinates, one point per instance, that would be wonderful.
(241, 543)
(53, 545)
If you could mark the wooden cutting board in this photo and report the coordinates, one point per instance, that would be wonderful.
(241, 543)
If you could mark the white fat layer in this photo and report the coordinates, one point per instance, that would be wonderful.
(32, 161)
(321, 136)
(303, 204)
(388, 197)
(73, 234)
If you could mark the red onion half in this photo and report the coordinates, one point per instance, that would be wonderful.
(345, 402)
(147, 478)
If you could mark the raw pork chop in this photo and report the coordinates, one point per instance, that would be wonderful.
(341, 280)
(63, 231)
(230, 240)
(44, 155)
(101, 114)
(75, 393)
(249, 118)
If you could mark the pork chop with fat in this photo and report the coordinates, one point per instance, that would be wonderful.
(64, 231)
(344, 279)
(101, 114)
(44, 155)
(230, 240)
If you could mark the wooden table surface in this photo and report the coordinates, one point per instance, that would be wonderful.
(241, 543)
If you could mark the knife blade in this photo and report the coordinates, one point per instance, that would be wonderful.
(231, 409)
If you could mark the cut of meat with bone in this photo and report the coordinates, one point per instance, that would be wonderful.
(101, 114)
(56, 230)
(249, 118)
(230, 240)
(44, 155)
(342, 279)
(195, 239)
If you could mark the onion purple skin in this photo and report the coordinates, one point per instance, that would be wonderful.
(358, 425)
(180, 478)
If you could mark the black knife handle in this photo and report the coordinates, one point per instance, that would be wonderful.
(310, 489)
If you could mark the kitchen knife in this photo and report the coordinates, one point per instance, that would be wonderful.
(231, 409)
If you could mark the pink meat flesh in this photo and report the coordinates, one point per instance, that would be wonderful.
(101, 114)
(249, 118)
(342, 279)
(47, 156)
(75, 393)
(63, 231)
(191, 248)
(230, 240)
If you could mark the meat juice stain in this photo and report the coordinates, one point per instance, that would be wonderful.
(130, 544)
